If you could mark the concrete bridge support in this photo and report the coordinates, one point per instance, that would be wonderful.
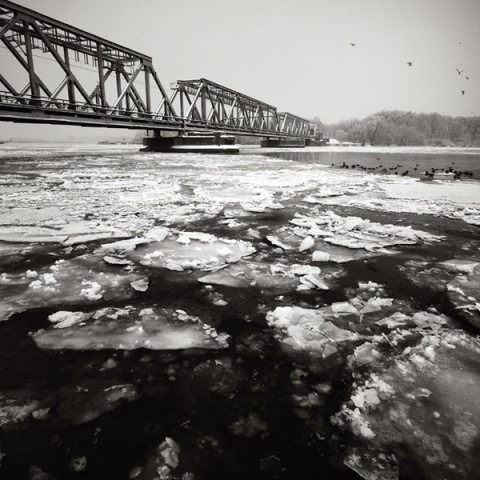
(282, 143)
(192, 143)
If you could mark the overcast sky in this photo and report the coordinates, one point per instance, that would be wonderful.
(297, 54)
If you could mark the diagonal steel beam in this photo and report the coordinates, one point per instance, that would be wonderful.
(162, 90)
(229, 116)
(57, 91)
(8, 25)
(195, 109)
(192, 104)
(127, 87)
(132, 91)
(12, 90)
(63, 65)
(213, 114)
(105, 77)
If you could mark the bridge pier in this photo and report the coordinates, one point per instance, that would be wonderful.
(193, 143)
(282, 143)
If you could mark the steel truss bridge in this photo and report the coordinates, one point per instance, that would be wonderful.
(58, 74)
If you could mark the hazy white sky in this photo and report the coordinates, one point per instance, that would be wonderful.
(296, 54)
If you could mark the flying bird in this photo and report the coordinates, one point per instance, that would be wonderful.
(459, 71)
(463, 92)
(467, 78)
(409, 64)
(352, 44)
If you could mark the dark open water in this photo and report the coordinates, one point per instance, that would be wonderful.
(391, 160)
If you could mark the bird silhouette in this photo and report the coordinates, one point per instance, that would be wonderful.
(467, 78)
(463, 92)
(352, 44)
(459, 71)
(409, 64)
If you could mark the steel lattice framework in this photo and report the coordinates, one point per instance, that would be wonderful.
(117, 97)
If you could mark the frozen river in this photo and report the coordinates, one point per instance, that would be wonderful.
(268, 315)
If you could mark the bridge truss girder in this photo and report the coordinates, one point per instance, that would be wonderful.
(24, 32)
(117, 97)
(216, 106)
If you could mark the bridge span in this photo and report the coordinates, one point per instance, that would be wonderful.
(55, 73)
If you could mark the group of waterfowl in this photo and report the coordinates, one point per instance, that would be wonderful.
(429, 174)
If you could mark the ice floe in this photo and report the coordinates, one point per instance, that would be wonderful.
(81, 280)
(129, 328)
(307, 329)
(180, 250)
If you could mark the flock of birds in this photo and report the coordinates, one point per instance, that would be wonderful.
(410, 64)
(448, 172)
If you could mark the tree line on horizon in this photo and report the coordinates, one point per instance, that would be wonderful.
(394, 127)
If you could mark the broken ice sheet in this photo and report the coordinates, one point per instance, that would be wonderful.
(424, 399)
(468, 267)
(458, 278)
(190, 250)
(307, 329)
(77, 231)
(130, 328)
(429, 320)
(82, 280)
(356, 232)
(395, 320)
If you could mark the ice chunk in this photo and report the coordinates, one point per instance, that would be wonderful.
(343, 307)
(336, 334)
(304, 270)
(157, 234)
(460, 266)
(124, 245)
(140, 285)
(76, 281)
(306, 244)
(92, 290)
(364, 354)
(116, 260)
(207, 252)
(318, 256)
(429, 320)
(376, 304)
(64, 319)
(275, 241)
(129, 328)
(306, 329)
(314, 281)
(395, 320)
